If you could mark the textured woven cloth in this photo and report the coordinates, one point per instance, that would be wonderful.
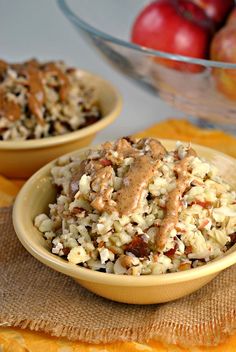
(36, 297)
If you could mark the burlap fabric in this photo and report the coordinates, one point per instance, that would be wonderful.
(36, 297)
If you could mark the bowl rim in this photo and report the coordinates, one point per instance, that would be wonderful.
(61, 265)
(79, 22)
(107, 119)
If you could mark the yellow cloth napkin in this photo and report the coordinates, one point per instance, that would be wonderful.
(8, 191)
(183, 130)
(16, 340)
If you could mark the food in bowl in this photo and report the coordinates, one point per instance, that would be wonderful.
(132, 207)
(40, 100)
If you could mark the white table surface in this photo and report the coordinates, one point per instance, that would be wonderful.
(37, 28)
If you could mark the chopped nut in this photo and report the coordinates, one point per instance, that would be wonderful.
(184, 266)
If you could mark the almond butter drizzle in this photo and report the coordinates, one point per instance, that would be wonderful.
(172, 206)
(125, 149)
(157, 149)
(3, 68)
(8, 108)
(36, 96)
(102, 198)
(135, 181)
(34, 72)
(138, 176)
(64, 82)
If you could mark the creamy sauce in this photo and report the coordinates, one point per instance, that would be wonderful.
(9, 108)
(3, 68)
(125, 149)
(34, 73)
(139, 174)
(172, 206)
(101, 185)
(64, 82)
(135, 181)
(36, 96)
(156, 148)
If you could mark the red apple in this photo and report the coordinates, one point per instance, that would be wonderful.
(217, 10)
(174, 26)
(223, 49)
(232, 17)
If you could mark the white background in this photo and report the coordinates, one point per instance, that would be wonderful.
(33, 28)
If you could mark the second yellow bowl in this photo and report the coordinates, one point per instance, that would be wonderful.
(20, 159)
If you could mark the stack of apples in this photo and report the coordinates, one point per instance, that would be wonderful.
(203, 29)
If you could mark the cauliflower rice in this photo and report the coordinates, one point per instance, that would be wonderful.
(40, 100)
(133, 208)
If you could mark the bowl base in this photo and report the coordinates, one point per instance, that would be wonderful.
(138, 294)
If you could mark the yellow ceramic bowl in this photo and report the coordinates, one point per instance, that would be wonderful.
(38, 191)
(20, 159)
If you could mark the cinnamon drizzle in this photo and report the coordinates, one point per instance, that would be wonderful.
(34, 73)
(9, 108)
(172, 206)
(135, 181)
(138, 176)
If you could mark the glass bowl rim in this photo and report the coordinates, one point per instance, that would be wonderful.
(78, 22)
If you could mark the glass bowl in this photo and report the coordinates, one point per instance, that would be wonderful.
(203, 88)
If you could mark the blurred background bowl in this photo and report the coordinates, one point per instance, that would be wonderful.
(20, 159)
(200, 94)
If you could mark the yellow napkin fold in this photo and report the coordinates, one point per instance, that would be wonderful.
(183, 130)
(16, 340)
(8, 190)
